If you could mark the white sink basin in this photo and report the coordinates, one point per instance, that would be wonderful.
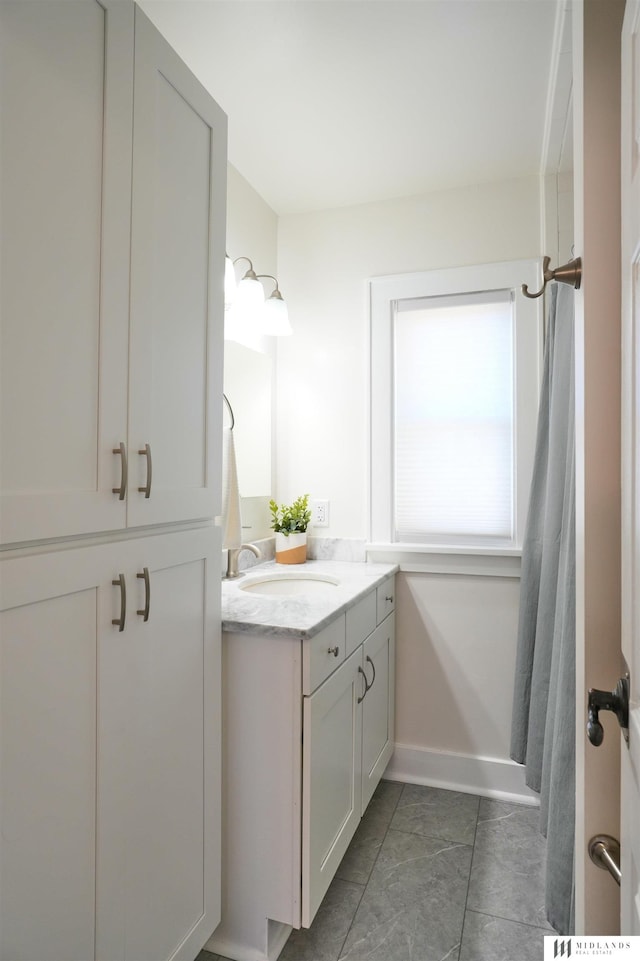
(293, 583)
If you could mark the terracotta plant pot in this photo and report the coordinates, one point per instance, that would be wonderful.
(291, 548)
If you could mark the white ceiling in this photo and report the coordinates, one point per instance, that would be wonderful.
(336, 102)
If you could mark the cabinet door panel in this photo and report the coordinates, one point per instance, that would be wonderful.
(331, 792)
(158, 890)
(65, 183)
(54, 609)
(178, 229)
(378, 706)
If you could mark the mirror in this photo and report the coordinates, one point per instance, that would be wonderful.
(248, 386)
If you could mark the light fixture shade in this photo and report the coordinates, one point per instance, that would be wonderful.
(276, 317)
(229, 282)
(233, 328)
(249, 296)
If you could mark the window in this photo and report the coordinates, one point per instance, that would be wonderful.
(455, 360)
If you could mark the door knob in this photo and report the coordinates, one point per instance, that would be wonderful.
(616, 701)
(604, 851)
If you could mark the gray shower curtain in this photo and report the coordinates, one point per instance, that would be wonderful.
(543, 732)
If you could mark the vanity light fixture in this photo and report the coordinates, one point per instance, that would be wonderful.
(229, 282)
(250, 292)
(275, 313)
(245, 306)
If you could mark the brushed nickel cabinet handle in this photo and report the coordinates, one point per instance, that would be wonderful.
(122, 490)
(373, 679)
(389, 598)
(123, 602)
(146, 490)
(147, 593)
(333, 650)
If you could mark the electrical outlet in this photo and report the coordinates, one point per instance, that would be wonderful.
(320, 513)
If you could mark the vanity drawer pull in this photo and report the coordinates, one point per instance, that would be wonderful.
(333, 650)
(390, 599)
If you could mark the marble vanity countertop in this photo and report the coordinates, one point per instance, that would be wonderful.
(298, 615)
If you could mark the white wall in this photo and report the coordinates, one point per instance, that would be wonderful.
(324, 261)
(558, 217)
(455, 635)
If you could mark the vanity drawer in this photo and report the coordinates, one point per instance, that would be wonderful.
(386, 598)
(361, 620)
(322, 654)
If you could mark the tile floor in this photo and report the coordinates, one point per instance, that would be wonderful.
(432, 875)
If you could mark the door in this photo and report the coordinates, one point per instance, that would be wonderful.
(177, 299)
(378, 652)
(159, 798)
(630, 831)
(596, 111)
(331, 778)
(66, 77)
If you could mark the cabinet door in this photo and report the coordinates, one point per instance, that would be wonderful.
(378, 706)
(331, 779)
(56, 611)
(177, 299)
(66, 76)
(158, 883)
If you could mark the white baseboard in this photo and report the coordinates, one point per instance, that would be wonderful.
(487, 776)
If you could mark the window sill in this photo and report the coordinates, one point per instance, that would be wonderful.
(463, 561)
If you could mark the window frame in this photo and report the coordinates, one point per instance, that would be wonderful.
(384, 292)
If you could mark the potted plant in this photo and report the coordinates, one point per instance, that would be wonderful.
(290, 525)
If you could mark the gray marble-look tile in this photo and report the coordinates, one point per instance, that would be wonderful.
(493, 939)
(360, 857)
(436, 813)
(324, 939)
(507, 874)
(413, 905)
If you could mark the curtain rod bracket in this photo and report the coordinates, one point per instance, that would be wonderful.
(569, 273)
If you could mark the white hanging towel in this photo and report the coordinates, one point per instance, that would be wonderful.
(231, 519)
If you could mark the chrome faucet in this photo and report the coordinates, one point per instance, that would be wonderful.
(232, 558)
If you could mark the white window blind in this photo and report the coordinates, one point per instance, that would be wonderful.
(453, 396)
(455, 358)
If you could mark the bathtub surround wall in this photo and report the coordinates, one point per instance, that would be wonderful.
(455, 633)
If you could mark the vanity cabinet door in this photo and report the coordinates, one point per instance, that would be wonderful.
(332, 783)
(177, 299)
(378, 706)
(66, 75)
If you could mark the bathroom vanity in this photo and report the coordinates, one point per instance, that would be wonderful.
(308, 709)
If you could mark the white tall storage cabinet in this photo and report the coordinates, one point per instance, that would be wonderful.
(113, 193)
